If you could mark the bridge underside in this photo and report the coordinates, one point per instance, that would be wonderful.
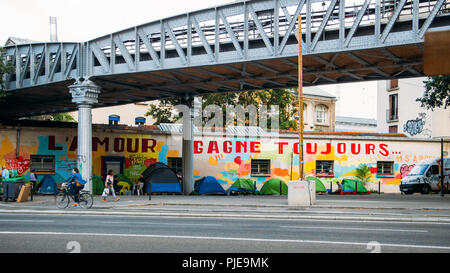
(332, 68)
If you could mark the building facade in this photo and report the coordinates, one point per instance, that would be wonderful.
(399, 112)
(130, 150)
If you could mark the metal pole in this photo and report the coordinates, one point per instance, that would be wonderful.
(300, 96)
(442, 167)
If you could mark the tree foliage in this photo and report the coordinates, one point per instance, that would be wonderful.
(285, 100)
(437, 93)
(363, 173)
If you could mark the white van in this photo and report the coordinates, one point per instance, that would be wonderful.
(425, 177)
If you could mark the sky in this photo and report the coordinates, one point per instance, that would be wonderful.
(83, 20)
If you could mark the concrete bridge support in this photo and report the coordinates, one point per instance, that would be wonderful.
(85, 95)
(188, 145)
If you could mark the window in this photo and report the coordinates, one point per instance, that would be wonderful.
(385, 168)
(42, 163)
(321, 114)
(140, 121)
(325, 168)
(434, 170)
(176, 164)
(393, 129)
(260, 167)
(114, 120)
(393, 84)
(393, 108)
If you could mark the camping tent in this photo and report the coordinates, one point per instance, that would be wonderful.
(48, 185)
(162, 179)
(319, 185)
(245, 185)
(208, 185)
(353, 186)
(273, 186)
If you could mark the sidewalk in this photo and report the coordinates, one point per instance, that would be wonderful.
(385, 207)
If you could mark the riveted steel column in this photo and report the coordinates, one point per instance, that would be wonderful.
(85, 94)
(188, 147)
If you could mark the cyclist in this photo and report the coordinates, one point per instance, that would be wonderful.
(76, 184)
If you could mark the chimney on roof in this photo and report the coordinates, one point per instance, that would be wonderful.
(53, 29)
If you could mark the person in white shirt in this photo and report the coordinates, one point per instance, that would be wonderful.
(5, 173)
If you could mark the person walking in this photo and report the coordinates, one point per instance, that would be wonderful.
(5, 173)
(109, 187)
(33, 180)
(76, 184)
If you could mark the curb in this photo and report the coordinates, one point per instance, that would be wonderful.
(221, 215)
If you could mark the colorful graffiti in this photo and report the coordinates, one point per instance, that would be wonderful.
(227, 159)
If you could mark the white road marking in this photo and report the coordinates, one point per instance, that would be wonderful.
(159, 223)
(364, 244)
(358, 229)
(28, 221)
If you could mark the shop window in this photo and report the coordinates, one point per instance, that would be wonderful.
(42, 163)
(176, 164)
(385, 168)
(260, 167)
(325, 168)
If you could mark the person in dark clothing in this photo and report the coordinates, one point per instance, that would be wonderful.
(76, 184)
(33, 179)
(117, 187)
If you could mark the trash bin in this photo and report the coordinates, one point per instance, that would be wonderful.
(11, 188)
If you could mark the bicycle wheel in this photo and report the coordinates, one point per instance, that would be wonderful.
(62, 200)
(86, 200)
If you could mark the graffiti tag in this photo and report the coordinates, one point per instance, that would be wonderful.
(405, 170)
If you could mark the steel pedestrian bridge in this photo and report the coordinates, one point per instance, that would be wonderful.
(245, 45)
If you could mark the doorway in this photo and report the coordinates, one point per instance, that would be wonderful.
(114, 163)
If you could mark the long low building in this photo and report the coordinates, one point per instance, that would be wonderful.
(51, 148)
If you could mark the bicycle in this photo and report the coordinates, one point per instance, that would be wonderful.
(62, 199)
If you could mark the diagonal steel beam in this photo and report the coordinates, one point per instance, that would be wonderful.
(355, 25)
(324, 23)
(266, 40)
(430, 18)
(292, 23)
(73, 56)
(150, 48)
(126, 55)
(55, 63)
(363, 62)
(392, 20)
(175, 42)
(231, 33)
(202, 36)
(100, 57)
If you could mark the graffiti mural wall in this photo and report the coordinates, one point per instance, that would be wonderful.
(328, 157)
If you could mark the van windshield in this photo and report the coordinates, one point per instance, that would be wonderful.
(418, 170)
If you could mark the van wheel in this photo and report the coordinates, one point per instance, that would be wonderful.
(425, 189)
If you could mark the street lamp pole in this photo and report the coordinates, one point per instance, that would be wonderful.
(442, 167)
(300, 98)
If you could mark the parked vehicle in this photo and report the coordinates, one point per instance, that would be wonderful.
(425, 177)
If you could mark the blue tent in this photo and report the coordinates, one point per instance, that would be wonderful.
(162, 179)
(208, 185)
(48, 185)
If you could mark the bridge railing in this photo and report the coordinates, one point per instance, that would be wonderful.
(236, 32)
